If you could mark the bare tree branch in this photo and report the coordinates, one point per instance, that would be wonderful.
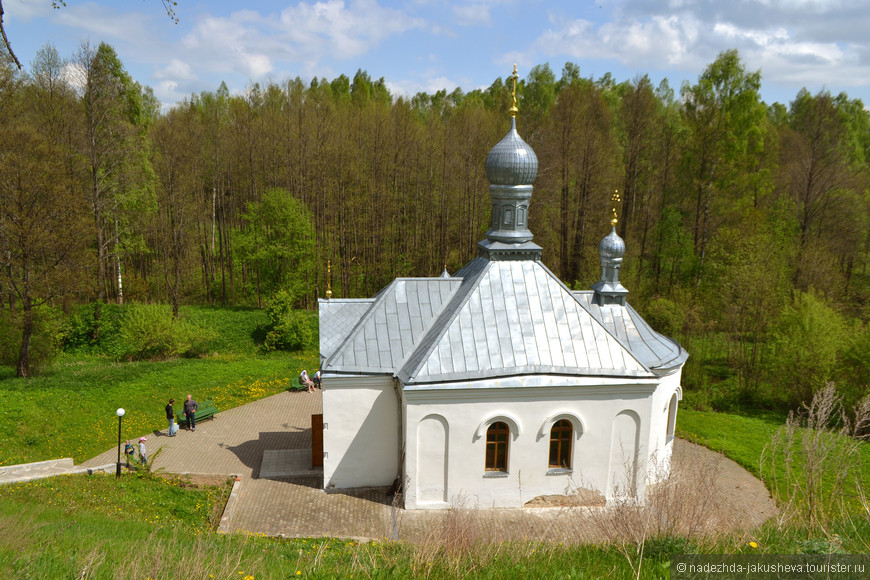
(6, 40)
(169, 5)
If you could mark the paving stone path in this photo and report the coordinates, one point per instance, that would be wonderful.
(710, 491)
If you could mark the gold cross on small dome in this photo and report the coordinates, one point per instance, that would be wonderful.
(615, 200)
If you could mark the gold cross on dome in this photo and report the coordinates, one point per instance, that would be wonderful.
(514, 76)
(615, 200)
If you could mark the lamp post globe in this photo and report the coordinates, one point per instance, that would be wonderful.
(120, 413)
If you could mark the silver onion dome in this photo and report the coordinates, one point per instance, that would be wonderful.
(612, 246)
(512, 161)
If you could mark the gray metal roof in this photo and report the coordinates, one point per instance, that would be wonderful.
(392, 325)
(656, 351)
(498, 319)
(514, 318)
(337, 319)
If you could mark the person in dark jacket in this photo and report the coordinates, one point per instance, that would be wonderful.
(190, 407)
(170, 416)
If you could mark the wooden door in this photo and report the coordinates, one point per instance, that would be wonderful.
(317, 440)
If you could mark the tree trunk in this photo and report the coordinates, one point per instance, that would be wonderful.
(118, 265)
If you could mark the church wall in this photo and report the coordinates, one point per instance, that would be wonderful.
(360, 432)
(660, 442)
(530, 413)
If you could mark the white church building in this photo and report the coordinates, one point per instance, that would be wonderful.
(498, 384)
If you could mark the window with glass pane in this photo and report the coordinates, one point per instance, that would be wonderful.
(497, 447)
(560, 444)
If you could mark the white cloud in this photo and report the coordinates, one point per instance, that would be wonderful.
(342, 30)
(636, 43)
(408, 89)
(21, 10)
(793, 42)
(74, 75)
(758, 37)
(176, 69)
(474, 14)
(305, 34)
(105, 24)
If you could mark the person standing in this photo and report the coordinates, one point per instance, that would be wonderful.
(143, 454)
(190, 407)
(170, 416)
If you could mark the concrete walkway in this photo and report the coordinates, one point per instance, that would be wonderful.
(234, 441)
(706, 490)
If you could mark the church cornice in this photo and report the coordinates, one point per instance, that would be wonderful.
(500, 251)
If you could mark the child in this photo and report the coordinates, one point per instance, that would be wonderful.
(143, 456)
(128, 451)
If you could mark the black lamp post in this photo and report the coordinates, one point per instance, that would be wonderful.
(120, 413)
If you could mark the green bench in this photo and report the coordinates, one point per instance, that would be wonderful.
(206, 410)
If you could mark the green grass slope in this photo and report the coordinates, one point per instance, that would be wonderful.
(69, 409)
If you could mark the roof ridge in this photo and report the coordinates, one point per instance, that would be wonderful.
(440, 324)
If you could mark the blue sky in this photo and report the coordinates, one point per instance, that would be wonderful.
(427, 45)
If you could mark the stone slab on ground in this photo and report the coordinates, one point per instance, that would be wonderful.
(288, 463)
(41, 469)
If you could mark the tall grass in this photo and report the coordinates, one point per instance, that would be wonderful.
(814, 463)
(53, 541)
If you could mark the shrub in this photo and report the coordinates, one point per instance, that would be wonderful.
(150, 332)
(93, 329)
(288, 329)
(855, 368)
(666, 316)
(804, 348)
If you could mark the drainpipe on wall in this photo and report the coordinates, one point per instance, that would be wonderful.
(399, 483)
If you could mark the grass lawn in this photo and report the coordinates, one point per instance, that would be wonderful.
(740, 438)
(142, 525)
(69, 409)
(743, 438)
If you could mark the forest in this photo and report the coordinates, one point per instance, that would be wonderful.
(747, 224)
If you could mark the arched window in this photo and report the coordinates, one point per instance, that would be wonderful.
(497, 446)
(672, 418)
(560, 444)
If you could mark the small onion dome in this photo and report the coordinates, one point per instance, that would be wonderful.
(512, 161)
(612, 246)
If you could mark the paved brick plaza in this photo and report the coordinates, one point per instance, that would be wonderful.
(233, 444)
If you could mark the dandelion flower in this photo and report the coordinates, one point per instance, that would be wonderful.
(753, 545)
